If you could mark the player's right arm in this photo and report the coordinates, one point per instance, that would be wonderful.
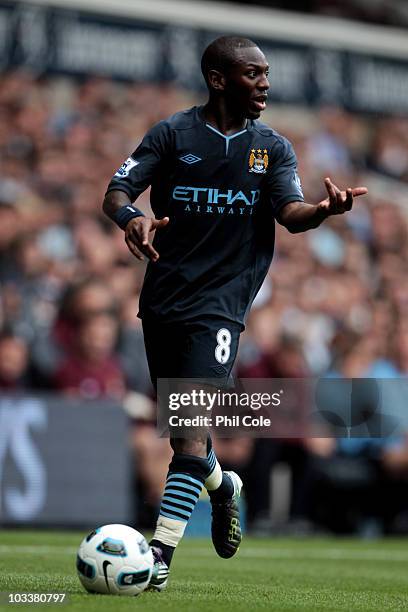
(137, 229)
(132, 178)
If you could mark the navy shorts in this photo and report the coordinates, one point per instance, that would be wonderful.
(205, 348)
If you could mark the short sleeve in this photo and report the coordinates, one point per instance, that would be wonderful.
(283, 181)
(137, 171)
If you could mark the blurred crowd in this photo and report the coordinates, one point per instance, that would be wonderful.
(390, 12)
(335, 300)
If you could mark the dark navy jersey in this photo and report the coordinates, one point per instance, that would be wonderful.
(221, 194)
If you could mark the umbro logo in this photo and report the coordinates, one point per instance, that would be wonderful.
(190, 158)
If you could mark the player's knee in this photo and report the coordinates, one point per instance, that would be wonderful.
(196, 446)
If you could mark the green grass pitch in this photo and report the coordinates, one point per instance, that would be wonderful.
(267, 574)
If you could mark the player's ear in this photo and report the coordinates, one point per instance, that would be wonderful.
(216, 80)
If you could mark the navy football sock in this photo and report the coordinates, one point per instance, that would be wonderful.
(224, 491)
(184, 483)
(218, 484)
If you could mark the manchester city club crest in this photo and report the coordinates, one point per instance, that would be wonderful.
(258, 161)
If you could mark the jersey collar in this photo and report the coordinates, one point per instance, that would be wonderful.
(226, 138)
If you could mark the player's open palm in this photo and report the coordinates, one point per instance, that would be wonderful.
(137, 236)
(339, 201)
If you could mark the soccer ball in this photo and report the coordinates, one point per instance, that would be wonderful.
(114, 559)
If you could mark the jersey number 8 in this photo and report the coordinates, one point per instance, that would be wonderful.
(222, 350)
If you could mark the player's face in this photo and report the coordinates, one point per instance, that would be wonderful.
(246, 83)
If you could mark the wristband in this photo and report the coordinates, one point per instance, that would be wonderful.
(122, 216)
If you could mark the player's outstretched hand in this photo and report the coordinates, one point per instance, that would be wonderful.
(137, 236)
(339, 201)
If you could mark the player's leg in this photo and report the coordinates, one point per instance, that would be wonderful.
(166, 348)
(184, 483)
(212, 353)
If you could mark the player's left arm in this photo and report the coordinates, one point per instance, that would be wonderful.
(299, 216)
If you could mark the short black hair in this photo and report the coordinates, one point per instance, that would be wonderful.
(220, 54)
